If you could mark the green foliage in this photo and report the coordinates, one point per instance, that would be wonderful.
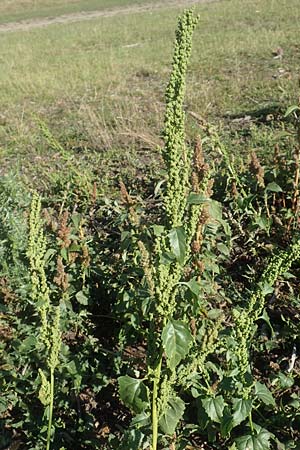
(165, 326)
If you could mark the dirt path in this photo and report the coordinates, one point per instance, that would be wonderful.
(26, 25)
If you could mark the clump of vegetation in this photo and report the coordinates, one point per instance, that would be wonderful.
(177, 313)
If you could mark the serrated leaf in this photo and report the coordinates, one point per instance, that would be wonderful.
(264, 394)
(241, 410)
(214, 407)
(178, 243)
(259, 440)
(176, 340)
(133, 393)
(171, 415)
(273, 187)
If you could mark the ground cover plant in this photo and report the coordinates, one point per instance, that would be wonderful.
(165, 318)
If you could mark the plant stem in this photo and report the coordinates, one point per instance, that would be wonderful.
(50, 409)
(251, 422)
(154, 404)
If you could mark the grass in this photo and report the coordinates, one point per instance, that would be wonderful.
(15, 10)
(82, 105)
(99, 84)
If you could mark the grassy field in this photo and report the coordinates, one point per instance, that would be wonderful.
(99, 85)
(13, 10)
(149, 279)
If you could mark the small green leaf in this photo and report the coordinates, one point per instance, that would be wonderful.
(285, 381)
(223, 249)
(259, 440)
(196, 199)
(241, 410)
(215, 210)
(171, 415)
(158, 230)
(141, 420)
(178, 243)
(273, 187)
(263, 393)
(82, 298)
(214, 407)
(133, 393)
(176, 339)
(193, 287)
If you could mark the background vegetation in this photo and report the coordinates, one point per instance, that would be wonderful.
(82, 107)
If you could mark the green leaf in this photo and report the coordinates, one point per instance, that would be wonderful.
(241, 410)
(291, 109)
(178, 243)
(273, 187)
(82, 298)
(133, 393)
(259, 440)
(171, 415)
(285, 381)
(263, 393)
(227, 422)
(133, 440)
(141, 420)
(176, 339)
(223, 249)
(158, 230)
(214, 407)
(215, 210)
(193, 286)
(196, 199)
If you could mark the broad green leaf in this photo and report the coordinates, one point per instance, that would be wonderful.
(178, 243)
(259, 440)
(171, 415)
(196, 199)
(214, 407)
(273, 187)
(133, 393)
(241, 410)
(176, 339)
(263, 393)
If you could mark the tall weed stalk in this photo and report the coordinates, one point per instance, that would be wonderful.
(50, 334)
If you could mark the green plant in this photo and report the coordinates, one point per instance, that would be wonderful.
(50, 331)
(176, 303)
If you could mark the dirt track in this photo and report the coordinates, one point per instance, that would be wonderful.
(26, 25)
